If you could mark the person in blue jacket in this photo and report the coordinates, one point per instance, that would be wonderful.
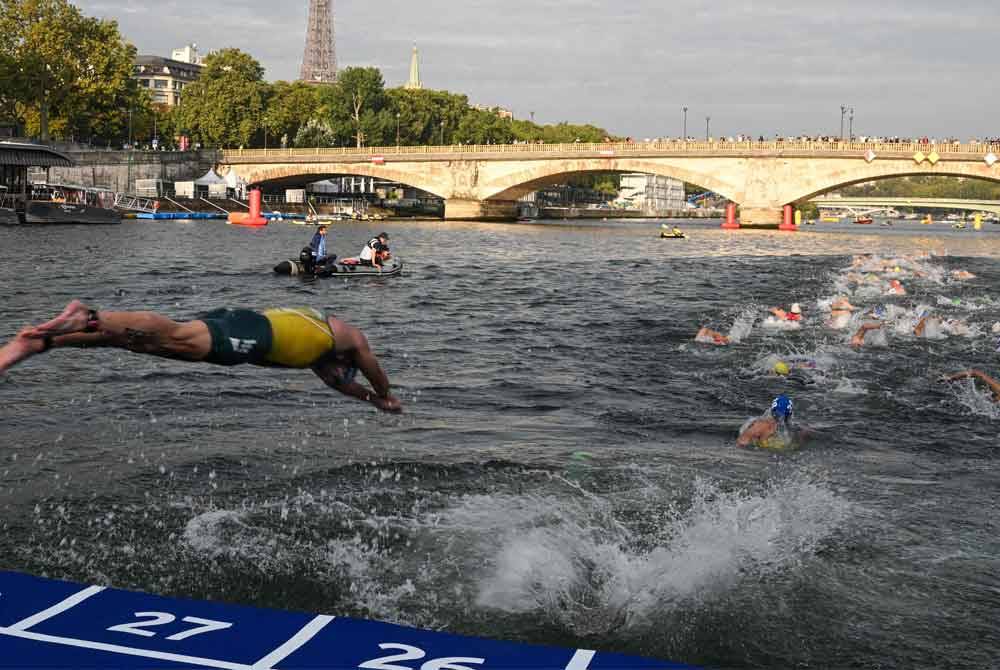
(318, 245)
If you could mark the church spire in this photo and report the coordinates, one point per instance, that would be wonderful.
(414, 83)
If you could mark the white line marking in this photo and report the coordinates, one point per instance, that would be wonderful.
(116, 649)
(581, 659)
(304, 635)
(72, 601)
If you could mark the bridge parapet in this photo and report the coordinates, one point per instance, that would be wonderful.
(945, 151)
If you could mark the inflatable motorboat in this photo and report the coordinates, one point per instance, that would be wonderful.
(345, 267)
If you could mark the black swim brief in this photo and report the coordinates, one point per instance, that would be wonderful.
(238, 336)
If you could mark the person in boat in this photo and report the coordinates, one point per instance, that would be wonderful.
(773, 430)
(677, 232)
(299, 338)
(376, 251)
(990, 382)
(318, 245)
(708, 336)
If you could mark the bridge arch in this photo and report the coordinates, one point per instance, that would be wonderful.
(517, 183)
(264, 174)
(834, 179)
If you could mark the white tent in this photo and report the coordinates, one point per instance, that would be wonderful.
(234, 181)
(209, 178)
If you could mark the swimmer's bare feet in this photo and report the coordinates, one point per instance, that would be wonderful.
(73, 319)
(21, 347)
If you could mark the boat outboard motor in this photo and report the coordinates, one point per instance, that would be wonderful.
(307, 261)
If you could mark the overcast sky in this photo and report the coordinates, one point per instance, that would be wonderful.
(913, 67)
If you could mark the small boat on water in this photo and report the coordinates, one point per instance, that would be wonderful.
(345, 267)
(864, 220)
(61, 203)
(671, 236)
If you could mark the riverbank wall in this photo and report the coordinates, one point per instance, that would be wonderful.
(118, 170)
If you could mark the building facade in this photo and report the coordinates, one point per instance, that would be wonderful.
(166, 78)
(650, 193)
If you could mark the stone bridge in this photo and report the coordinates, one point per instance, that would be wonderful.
(485, 181)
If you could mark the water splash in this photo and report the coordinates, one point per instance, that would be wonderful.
(576, 564)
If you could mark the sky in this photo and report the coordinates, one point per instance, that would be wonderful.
(908, 68)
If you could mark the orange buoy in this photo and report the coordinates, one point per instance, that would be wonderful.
(731, 223)
(788, 222)
(253, 219)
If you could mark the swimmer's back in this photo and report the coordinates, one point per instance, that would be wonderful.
(300, 337)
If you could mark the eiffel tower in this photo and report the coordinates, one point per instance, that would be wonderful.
(319, 62)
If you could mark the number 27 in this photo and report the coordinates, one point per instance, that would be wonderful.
(162, 618)
(413, 654)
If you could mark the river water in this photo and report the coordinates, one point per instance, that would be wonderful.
(565, 471)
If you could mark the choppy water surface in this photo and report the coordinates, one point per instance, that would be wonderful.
(515, 348)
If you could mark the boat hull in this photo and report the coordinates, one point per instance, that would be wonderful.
(63, 212)
(295, 269)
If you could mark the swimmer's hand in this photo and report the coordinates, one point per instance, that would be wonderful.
(387, 404)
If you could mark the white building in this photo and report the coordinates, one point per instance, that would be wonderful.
(651, 194)
(187, 54)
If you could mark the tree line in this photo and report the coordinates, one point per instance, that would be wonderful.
(69, 77)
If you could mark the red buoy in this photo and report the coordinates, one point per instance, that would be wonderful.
(253, 219)
(788, 219)
(731, 223)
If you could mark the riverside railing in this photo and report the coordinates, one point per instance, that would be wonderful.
(664, 147)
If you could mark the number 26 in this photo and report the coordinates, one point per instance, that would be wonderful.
(413, 654)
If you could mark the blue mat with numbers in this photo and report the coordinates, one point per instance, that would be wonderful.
(52, 624)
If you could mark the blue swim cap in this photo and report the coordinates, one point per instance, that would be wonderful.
(879, 312)
(781, 408)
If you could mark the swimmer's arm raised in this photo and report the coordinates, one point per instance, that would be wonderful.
(980, 375)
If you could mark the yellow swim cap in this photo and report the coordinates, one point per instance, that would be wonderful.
(781, 368)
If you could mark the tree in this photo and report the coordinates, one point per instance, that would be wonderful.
(315, 134)
(363, 90)
(483, 127)
(62, 67)
(224, 107)
(290, 106)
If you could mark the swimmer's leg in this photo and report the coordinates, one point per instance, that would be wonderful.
(140, 332)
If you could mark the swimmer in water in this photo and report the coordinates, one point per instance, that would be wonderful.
(298, 338)
(840, 313)
(793, 314)
(709, 336)
(764, 431)
(993, 384)
(858, 339)
(895, 288)
(962, 275)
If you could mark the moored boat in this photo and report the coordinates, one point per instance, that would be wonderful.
(864, 220)
(58, 203)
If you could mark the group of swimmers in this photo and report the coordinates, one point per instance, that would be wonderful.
(868, 277)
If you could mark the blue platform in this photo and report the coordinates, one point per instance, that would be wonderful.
(52, 624)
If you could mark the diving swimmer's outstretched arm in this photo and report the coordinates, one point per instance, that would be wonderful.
(351, 344)
(981, 376)
(859, 337)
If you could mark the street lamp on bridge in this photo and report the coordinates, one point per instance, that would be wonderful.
(843, 111)
(685, 135)
(708, 122)
(850, 134)
(397, 130)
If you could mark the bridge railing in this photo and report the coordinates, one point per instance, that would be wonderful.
(678, 147)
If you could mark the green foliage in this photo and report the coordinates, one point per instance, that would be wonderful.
(926, 187)
(64, 70)
(224, 107)
(315, 134)
(289, 107)
(560, 133)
